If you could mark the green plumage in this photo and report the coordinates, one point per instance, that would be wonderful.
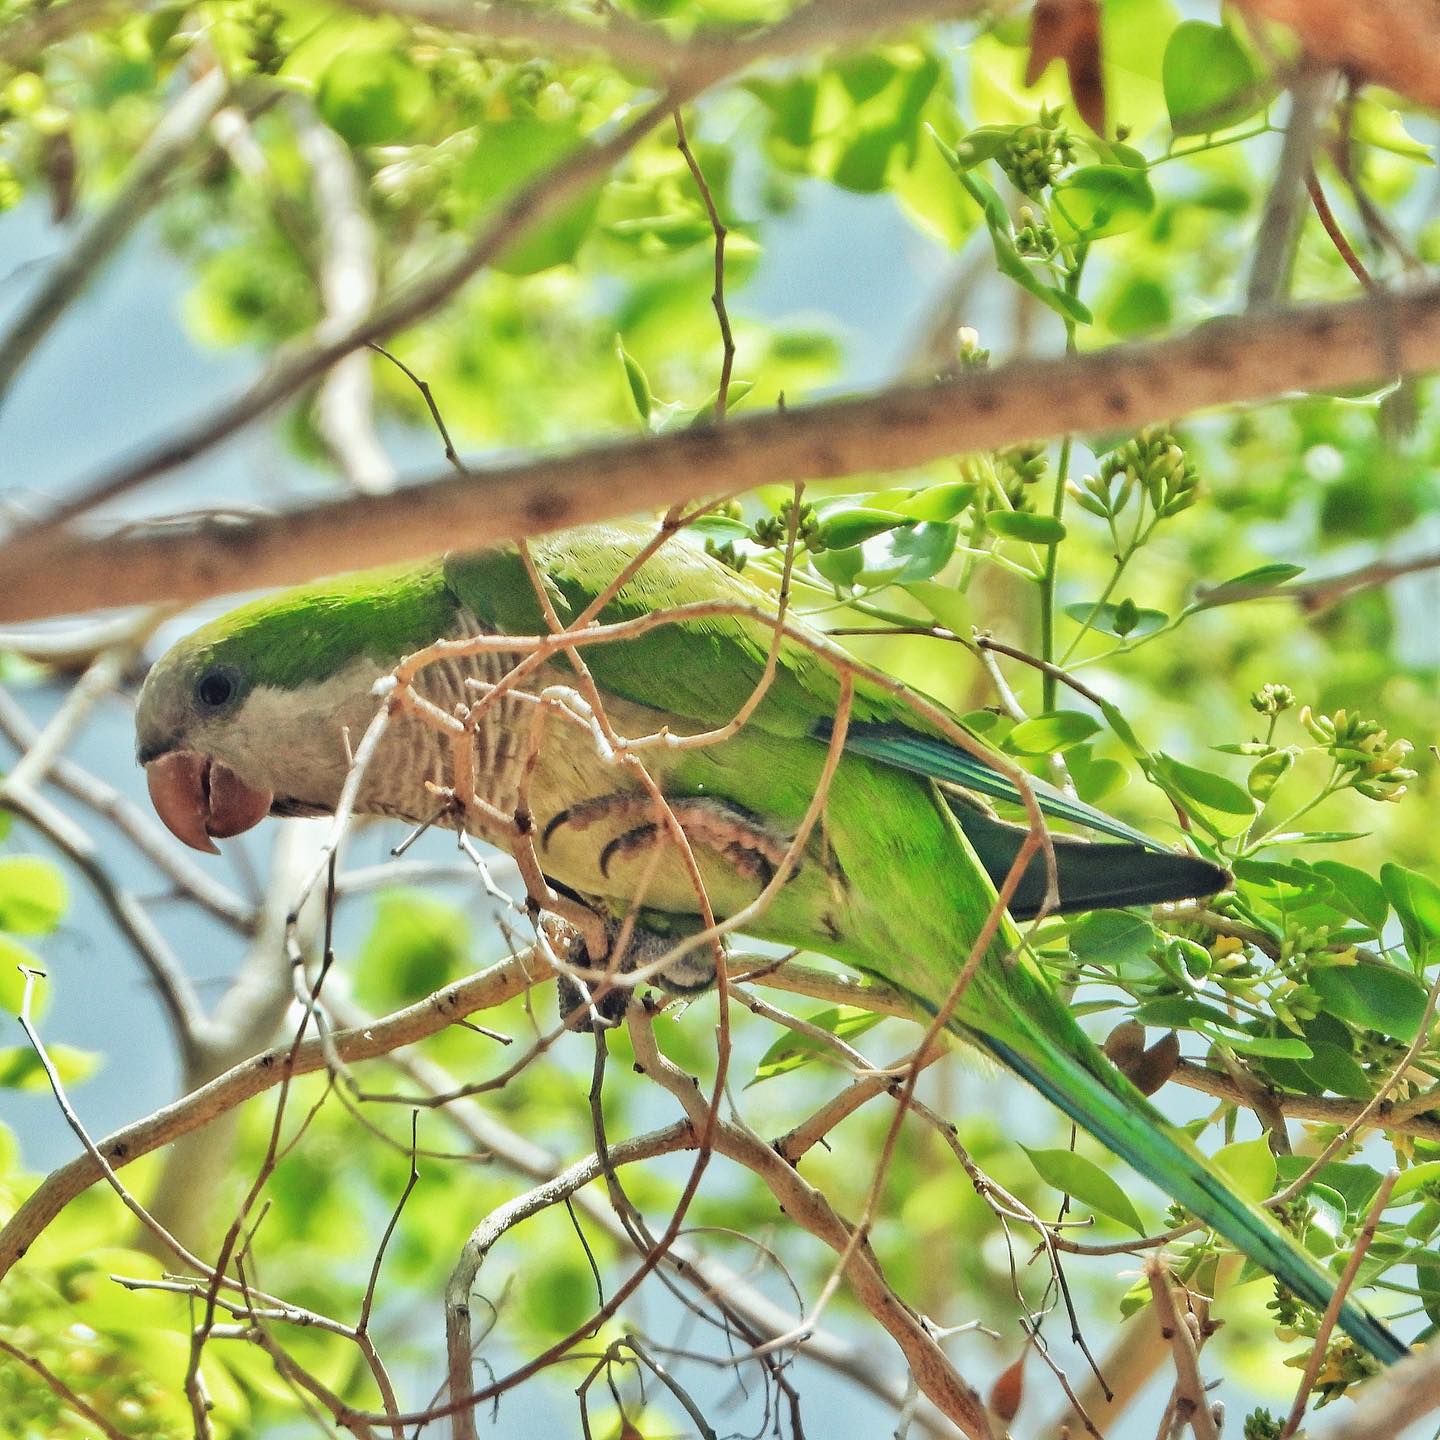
(904, 875)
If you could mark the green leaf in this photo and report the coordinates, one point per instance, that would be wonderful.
(1094, 778)
(509, 152)
(1209, 78)
(1023, 525)
(840, 567)
(1268, 772)
(1412, 1179)
(940, 502)
(1140, 306)
(1372, 123)
(1249, 1165)
(1270, 1047)
(20, 1067)
(1328, 1217)
(1114, 940)
(1334, 1069)
(32, 895)
(1212, 791)
(1417, 903)
(1104, 618)
(1098, 200)
(1082, 1178)
(848, 525)
(1054, 730)
(908, 553)
(1355, 893)
(416, 944)
(635, 378)
(1009, 260)
(981, 144)
(1427, 1279)
(1356, 1184)
(1374, 996)
(946, 604)
(1180, 1012)
(792, 1050)
(1261, 578)
(373, 95)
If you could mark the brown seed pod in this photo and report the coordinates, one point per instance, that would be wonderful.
(1156, 1065)
(1125, 1044)
(1009, 1389)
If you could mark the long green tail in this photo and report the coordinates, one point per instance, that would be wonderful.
(1098, 1098)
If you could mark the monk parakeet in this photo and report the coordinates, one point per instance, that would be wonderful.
(257, 713)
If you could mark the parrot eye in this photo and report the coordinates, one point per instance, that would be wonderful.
(215, 688)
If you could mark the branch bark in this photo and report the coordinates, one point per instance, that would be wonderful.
(1226, 361)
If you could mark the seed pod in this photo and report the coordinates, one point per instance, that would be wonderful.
(1156, 1065)
(1125, 1045)
(1009, 1390)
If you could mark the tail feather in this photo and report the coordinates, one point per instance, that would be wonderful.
(1100, 1100)
(1091, 874)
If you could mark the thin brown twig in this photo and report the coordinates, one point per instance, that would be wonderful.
(1189, 1402)
(66, 1395)
(717, 295)
(1332, 228)
(1316, 1357)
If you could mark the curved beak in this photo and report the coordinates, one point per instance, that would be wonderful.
(200, 799)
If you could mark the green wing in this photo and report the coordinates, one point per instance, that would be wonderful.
(705, 669)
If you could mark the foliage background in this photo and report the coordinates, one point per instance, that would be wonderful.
(854, 252)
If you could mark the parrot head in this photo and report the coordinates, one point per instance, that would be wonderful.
(254, 713)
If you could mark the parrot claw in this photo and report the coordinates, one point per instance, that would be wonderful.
(690, 974)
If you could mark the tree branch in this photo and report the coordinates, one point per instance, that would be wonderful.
(626, 42)
(1225, 361)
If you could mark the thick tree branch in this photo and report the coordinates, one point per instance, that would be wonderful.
(648, 47)
(1225, 361)
(349, 285)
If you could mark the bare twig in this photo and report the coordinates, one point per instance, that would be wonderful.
(1190, 1402)
(717, 296)
(1316, 1357)
(1327, 218)
(66, 1395)
(1223, 362)
(809, 1208)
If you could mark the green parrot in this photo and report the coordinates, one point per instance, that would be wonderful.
(257, 712)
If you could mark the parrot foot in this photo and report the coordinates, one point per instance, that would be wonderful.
(652, 936)
(755, 849)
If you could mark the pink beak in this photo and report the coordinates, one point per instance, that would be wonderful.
(199, 798)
